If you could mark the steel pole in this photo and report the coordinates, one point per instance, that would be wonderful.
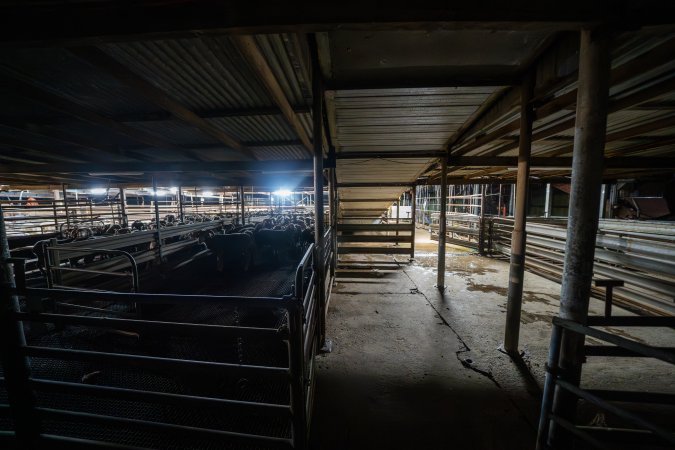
(518, 239)
(65, 204)
(158, 230)
(587, 167)
(243, 205)
(317, 138)
(547, 201)
(123, 207)
(181, 214)
(413, 218)
(442, 224)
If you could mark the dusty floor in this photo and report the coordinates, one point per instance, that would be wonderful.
(416, 368)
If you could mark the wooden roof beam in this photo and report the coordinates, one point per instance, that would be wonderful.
(254, 56)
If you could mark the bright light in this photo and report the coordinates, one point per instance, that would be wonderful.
(173, 190)
(207, 193)
(283, 192)
(99, 191)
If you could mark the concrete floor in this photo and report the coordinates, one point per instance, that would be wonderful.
(416, 368)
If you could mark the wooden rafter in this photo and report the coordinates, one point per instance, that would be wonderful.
(259, 64)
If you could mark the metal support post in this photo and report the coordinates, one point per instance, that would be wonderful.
(413, 219)
(123, 208)
(442, 224)
(547, 201)
(317, 137)
(243, 205)
(181, 214)
(481, 223)
(587, 166)
(16, 368)
(158, 232)
(65, 204)
(518, 238)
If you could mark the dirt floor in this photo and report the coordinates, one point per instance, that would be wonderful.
(416, 368)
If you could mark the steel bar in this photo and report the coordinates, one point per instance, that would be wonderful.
(159, 427)
(175, 328)
(442, 223)
(136, 395)
(317, 146)
(413, 194)
(588, 154)
(519, 238)
(153, 362)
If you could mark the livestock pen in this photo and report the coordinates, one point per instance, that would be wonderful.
(139, 370)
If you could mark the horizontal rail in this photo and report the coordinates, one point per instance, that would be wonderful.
(152, 362)
(176, 328)
(635, 347)
(160, 299)
(157, 397)
(626, 415)
(99, 419)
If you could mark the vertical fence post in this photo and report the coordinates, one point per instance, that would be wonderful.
(587, 167)
(317, 137)
(243, 205)
(181, 214)
(519, 238)
(65, 204)
(123, 206)
(442, 224)
(481, 230)
(16, 368)
(549, 386)
(158, 232)
(296, 362)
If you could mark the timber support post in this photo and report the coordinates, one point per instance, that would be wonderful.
(518, 238)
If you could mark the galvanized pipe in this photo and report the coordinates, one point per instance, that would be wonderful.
(518, 240)
(317, 138)
(413, 194)
(587, 167)
(243, 205)
(442, 224)
(158, 232)
(181, 214)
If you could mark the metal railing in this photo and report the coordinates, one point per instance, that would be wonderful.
(34, 418)
(644, 431)
(376, 238)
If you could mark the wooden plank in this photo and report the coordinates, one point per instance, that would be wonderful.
(374, 250)
(374, 238)
(374, 227)
(155, 95)
(258, 63)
